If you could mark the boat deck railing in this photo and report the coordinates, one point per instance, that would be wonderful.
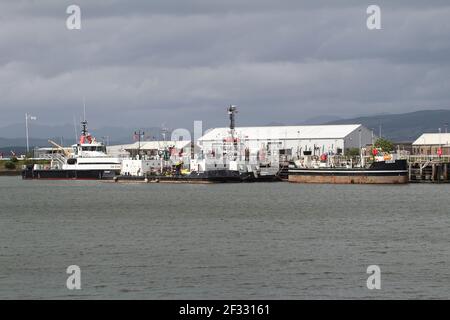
(428, 158)
(59, 158)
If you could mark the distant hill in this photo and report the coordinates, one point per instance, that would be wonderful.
(6, 151)
(320, 120)
(14, 134)
(18, 145)
(403, 127)
(398, 127)
(309, 121)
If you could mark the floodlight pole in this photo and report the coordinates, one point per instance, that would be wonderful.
(26, 130)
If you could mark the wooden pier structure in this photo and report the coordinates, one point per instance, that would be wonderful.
(431, 169)
(421, 168)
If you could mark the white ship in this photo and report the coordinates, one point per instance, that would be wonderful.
(86, 160)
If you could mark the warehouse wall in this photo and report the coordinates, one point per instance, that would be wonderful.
(352, 140)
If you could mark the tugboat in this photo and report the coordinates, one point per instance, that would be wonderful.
(230, 165)
(329, 169)
(86, 160)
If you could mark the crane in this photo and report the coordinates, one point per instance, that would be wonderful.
(66, 153)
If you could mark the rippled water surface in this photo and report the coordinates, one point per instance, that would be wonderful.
(240, 241)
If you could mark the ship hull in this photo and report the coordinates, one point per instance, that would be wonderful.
(379, 173)
(262, 178)
(53, 174)
(346, 179)
(213, 176)
(216, 176)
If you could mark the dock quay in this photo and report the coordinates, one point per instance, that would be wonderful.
(344, 153)
(429, 169)
(421, 169)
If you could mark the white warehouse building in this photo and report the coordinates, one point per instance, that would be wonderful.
(294, 140)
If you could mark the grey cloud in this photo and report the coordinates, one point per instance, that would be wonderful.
(149, 62)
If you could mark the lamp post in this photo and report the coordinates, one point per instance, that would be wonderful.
(360, 148)
(28, 117)
(440, 146)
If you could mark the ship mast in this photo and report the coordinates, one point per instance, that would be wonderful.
(84, 122)
(84, 131)
(232, 110)
(84, 128)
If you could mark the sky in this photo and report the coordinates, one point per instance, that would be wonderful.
(168, 63)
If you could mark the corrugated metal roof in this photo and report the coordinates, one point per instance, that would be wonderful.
(433, 139)
(285, 132)
(151, 145)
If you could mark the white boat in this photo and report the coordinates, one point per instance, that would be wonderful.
(86, 160)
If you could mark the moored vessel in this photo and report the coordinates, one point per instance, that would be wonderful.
(326, 171)
(227, 161)
(86, 160)
(216, 176)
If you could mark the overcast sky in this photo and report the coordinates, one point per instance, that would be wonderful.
(145, 63)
